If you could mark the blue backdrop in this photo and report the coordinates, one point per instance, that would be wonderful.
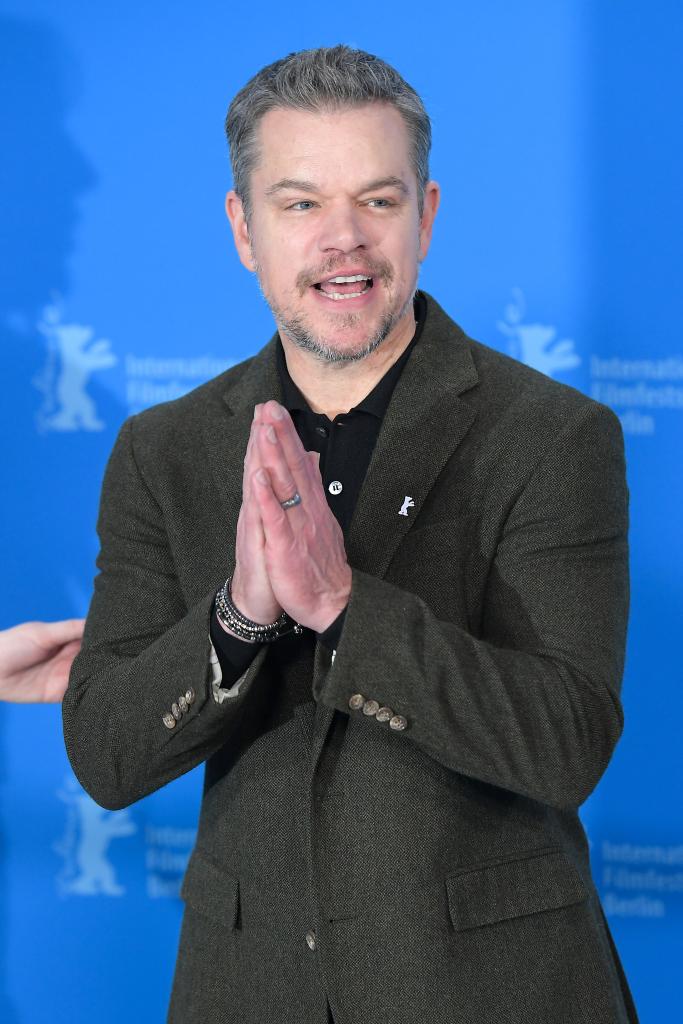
(557, 145)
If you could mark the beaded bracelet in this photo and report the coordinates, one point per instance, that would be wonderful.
(254, 632)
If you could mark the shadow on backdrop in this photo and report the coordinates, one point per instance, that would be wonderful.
(41, 184)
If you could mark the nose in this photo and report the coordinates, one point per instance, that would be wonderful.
(342, 228)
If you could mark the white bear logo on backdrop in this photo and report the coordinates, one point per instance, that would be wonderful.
(72, 357)
(87, 871)
(536, 345)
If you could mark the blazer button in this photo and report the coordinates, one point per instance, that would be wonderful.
(310, 939)
(356, 702)
(384, 714)
(169, 721)
(371, 707)
(176, 712)
(398, 723)
(189, 696)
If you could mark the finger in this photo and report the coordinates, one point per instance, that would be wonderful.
(276, 523)
(66, 631)
(252, 509)
(315, 474)
(67, 654)
(283, 482)
(51, 635)
(252, 459)
(249, 466)
(250, 512)
(56, 673)
(295, 455)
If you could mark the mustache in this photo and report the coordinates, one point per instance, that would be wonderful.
(380, 270)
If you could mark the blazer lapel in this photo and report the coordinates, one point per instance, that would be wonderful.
(425, 422)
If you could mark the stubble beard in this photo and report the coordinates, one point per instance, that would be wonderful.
(297, 330)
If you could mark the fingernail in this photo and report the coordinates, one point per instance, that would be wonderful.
(257, 409)
(271, 435)
(277, 411)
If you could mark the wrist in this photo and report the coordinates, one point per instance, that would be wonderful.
(262, 612)
(230, 632)
(324, 622)
(234, 621)
(331, 611)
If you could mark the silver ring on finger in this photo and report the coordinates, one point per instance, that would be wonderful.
(291, 502)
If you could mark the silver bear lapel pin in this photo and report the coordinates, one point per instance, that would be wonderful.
(407, 503)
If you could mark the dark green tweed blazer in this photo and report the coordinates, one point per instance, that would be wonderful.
(442, 868)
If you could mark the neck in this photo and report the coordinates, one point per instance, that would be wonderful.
(334, 388)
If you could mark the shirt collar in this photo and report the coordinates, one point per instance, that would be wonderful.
(377, 401)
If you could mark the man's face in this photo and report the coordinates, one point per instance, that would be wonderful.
(334, 196)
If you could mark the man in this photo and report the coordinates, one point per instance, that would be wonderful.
(35, 659)
(409, 552)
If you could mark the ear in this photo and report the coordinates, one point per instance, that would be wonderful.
(240, 231)
(431, 205)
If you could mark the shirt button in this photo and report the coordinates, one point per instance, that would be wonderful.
(310, 939)
(322, 431)
(335, 487)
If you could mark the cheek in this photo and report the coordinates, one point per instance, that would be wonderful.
(400, 244)
(288, 252)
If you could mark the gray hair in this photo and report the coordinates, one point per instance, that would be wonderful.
(329, 78)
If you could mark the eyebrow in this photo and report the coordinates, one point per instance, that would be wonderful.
(297, 185)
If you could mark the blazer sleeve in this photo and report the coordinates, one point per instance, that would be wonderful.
(532, 704)
(143, 649)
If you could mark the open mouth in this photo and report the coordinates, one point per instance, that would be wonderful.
(345, 287)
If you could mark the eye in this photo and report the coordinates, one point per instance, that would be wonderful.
(302, 204)
(380, 204)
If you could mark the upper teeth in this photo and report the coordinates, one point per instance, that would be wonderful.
(348, 280)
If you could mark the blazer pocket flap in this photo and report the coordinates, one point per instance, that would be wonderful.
(211, 891)
(496, 892)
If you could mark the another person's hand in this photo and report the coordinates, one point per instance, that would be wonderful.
(35, 660)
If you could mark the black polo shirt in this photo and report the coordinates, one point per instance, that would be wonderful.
(345, 445)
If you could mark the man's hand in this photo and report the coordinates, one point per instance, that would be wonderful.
(304, 549)
(35, 660)
(252, 592)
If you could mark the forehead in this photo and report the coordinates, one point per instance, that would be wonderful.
(365, 142)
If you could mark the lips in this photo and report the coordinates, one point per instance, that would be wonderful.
(342, 287)
(345, 285)
(349, 283)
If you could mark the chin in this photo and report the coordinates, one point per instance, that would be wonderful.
(329, 349)
(340, 338)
